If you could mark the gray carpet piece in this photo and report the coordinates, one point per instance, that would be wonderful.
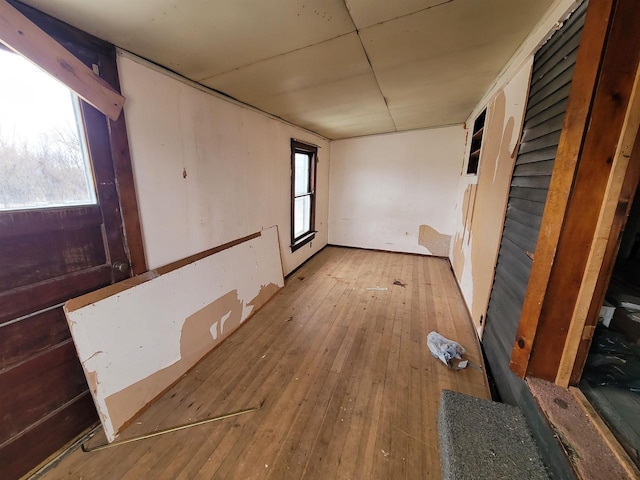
(481, 439)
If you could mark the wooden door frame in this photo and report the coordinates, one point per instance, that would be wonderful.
(114, 138)
(554, 315)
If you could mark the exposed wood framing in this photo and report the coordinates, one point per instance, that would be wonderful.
(612, 96)
(124, 178)
(573, 131)
(626, 200)
(613, 211)
(25, 38)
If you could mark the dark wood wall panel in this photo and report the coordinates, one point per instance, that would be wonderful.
(49, 256)
(32, 222)
(548, 97)
(56, 372)
(30, 259)
(22, 340)
(27, 450)
(24, 300)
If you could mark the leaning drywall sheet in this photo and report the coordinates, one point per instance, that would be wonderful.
(136, 342)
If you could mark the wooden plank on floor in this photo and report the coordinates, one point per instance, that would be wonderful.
(350, 387)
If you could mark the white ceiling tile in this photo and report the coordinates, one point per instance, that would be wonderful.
(434, 66)
(327, 88)
(301, 60)
(201, 38)
(369, 12)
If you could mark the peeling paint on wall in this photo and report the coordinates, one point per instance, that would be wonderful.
(437, 243)
(483, 203)
(135, 343)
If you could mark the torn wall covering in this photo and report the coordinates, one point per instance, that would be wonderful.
(134, 343)
(482, 200)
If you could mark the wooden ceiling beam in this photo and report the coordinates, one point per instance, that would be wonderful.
(22, 36)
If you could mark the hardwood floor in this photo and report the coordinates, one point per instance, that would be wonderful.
(349, 386)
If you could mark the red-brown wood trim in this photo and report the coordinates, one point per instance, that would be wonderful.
(199, 256)
(612, 95)
(23, 36)
(125, 182)
(312, 150)
(38, 296)
(585, 75)
(104, 55)
(17, 224)
(54, 432)
(627, 195)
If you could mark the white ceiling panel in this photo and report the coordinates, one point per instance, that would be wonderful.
(326, 87)
(369, 12)
(411, 64)
(201, 38)
(433, 66)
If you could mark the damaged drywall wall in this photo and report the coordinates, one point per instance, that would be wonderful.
(482, 199)
(396, 191)
(227, 168)
(437, 243)
(134, 343)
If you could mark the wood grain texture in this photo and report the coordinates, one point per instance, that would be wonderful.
(50, 256)
(578, 110)
(26, 451)
(55, 371)
(24, 37)
(349, 386)
(21, 340)
(614, 210)
(607, 436)
(603, 130)
(625, 201)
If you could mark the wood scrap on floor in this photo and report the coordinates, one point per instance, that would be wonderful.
(135, 343)
(347, 380)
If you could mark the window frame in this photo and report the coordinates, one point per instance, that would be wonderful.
(475, 150)
(311, 151)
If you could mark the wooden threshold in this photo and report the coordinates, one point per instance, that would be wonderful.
(349, 386)
(588, 443)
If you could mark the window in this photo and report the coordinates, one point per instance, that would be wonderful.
(303, 196)
(476, 144)
(43, 154)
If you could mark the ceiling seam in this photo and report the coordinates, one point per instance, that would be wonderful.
(356, 30)
(405, 14)
(373, 72)
(211, 77)
(212, 91)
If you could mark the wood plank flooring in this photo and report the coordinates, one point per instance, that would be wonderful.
(350, 389)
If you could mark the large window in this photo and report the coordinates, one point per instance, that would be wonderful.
(303, 196)
(43, 155)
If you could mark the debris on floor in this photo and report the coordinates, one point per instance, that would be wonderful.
(377, 289)
(399, 283)
(446, 350)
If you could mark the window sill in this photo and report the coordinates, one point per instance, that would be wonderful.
(301, 242)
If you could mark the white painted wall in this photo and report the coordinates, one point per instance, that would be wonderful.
(237, 165)
(383, 187)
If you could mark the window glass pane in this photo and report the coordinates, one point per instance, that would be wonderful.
(303, 162)
(302, 215)
(43, 156)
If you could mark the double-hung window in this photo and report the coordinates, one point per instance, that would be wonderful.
(303, 195)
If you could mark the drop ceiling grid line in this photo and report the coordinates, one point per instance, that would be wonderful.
(373, 72)
(399, 16)
(355, 30)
